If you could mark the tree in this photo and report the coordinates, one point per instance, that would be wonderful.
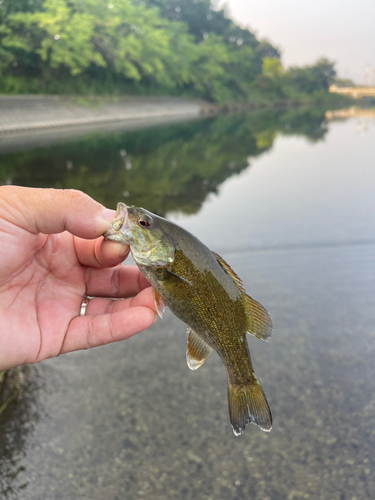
(245, 51)
(78, 33)
(8, 7)
(185, 47)
(313, 78)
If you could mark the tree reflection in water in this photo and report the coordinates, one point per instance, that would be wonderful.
(171, 168)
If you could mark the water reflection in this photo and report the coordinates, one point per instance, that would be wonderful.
(365, 117)
(170, 168)
(20, 387)
(130, 420)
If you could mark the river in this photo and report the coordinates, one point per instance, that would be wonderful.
(287, 198)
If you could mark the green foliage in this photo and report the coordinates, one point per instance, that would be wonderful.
(8, 7)
(272, 67)
(312, 78)
(203, 19)
(244, 50)
(79, 33)
(57, 35)
(144, 47)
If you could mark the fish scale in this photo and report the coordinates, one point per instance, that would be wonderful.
(203, 291)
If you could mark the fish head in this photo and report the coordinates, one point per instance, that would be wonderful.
(143, 231)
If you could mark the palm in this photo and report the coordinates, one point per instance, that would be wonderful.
(43, 279)
(46, 271)
(46, 285)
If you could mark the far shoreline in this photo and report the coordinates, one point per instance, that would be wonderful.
(33, 120)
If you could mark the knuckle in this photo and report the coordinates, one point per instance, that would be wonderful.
(76, 196)
(90, 333)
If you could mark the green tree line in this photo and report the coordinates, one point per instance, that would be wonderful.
(173, 47)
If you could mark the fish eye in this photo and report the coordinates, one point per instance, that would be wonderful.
(145, 221)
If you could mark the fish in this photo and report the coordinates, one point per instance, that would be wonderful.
(202, 290)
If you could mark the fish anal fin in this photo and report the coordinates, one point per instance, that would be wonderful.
(259, 321)
(248, 404)
(197, 350)
(160, 305)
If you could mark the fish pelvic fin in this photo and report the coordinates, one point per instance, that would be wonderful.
(259, 321)
(160, 305)
(247, 403)
(197, 350)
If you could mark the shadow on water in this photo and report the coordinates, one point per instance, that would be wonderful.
(171, 168)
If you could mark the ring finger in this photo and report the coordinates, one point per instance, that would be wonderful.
(99, 305)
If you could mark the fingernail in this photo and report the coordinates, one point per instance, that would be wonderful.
(120, 249)
(108, 214)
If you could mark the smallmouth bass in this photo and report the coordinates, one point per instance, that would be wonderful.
(202, 290)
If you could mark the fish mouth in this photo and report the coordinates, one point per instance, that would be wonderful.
(119, 226)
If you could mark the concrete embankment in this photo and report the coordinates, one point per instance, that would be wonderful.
(31, 121)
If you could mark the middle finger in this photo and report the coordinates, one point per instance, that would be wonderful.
(116, 282)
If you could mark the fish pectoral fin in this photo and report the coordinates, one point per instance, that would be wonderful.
(197, 350)
(159, 302)
(247, 403)
(180, 278)
(259, 322)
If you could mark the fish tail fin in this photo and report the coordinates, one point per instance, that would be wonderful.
(247, 403)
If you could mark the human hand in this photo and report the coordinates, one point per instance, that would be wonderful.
(51, 256)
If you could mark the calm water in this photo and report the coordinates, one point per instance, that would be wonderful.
(288, 200)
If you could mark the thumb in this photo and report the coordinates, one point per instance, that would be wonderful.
(51, 211)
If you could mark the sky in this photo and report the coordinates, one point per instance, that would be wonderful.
(341, 30)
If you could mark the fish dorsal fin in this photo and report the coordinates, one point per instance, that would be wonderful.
(259, 321)
(197, 350)
(229, 270)
(160, 305)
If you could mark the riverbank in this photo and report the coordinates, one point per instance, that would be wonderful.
(29, 112)
(27, 120)
(19, 113)
(30, 121)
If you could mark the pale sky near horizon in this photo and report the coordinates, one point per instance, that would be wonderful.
(341, 30)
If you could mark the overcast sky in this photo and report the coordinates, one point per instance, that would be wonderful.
(342, 30)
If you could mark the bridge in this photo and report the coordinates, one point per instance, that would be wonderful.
(353, 91)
